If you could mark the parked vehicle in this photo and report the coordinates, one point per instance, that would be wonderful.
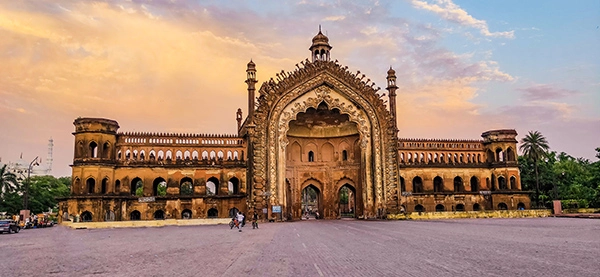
(9, 226)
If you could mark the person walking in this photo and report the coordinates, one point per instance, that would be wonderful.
(255, 220)
(240, 219)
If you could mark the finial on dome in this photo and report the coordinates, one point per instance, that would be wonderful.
(391, 71)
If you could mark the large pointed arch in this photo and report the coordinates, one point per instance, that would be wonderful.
(307, 87)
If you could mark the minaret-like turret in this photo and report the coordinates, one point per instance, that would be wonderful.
(320, 47)
(391, 87)
(238, 118)
(49, 157)
(251, 81)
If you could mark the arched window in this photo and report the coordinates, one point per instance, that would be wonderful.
(502, 183)
(499, 155)
(159, 214)
(212, 186)
(438, 184)
(458, 184)
(476, 207)
(417, 185)
(119, 155)
(186, 214)
(135, 215)
(137, 187)
(117, 186)
(460, 208)
(233, 212)
(419, 208)
(142, 155)
(213, 213)
(439, 208)
(159, 187)
(520, 206)
(344, 155)
(91, 185)
(86, 216)
(186, 186)
(502, 206)
(106, 150)
(402, 184)
(513, 183)
(311, 156)
(233, 186)
(93, 149)
(510, 155)
(104, 186)
(474, 184)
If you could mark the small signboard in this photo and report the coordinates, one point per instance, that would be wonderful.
(276, 209)
(146, 199)
(264, 210)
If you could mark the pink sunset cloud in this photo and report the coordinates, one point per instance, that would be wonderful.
(166, 66)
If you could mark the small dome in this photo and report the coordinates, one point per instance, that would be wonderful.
(391, 72)
(320, 38)
(251, 65)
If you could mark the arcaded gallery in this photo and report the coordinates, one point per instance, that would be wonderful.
(316, 140)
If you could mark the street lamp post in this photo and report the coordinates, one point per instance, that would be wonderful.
(26, 192)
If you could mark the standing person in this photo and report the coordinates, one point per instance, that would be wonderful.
(240, 219)
(255, 220)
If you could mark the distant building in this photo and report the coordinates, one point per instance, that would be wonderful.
(40, 167)
(319, 139)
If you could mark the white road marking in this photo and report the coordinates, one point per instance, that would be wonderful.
(318, 270)
(304, 245)
(298, 235)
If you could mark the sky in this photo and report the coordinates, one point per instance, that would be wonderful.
(463, 67)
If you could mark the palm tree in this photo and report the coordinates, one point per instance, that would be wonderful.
(8, 181)
(534, 146)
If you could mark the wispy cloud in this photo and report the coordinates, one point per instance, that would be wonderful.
(453, 13)
(546, 92)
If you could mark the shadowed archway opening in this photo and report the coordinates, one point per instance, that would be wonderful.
(158, 215)
(86, 216)
(159, 187)
(186, 214)
(213, 213)
(347, 200)
(310, 201)
(135, 215)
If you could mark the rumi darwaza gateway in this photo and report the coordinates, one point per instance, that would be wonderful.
(316, 139)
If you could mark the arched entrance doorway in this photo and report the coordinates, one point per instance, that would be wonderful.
(311, 197)
(347, 200)
(323, 138)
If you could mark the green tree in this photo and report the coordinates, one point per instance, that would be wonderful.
(43, 191)
(534, 146)
(8, 182)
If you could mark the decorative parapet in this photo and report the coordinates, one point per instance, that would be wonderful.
(439, 144)
(180, 139)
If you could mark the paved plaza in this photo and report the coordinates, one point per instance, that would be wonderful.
(467, 247)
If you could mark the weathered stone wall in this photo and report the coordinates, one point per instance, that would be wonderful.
(485, 214)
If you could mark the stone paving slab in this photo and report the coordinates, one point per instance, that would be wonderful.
(466, 247)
